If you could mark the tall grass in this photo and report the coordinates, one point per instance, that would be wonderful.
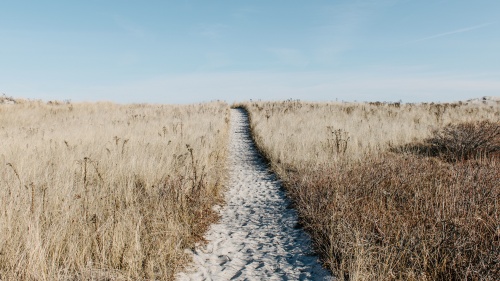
(99, 191)
(391, 191)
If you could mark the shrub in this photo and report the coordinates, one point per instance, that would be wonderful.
(376, 215)
(403, 218)
(465, 141)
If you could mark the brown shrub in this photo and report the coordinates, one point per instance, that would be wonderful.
(464, 141)
(403, 218)
(376, 215)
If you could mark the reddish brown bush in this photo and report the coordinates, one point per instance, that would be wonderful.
(404, 218)
(464, 141)
(375, 215)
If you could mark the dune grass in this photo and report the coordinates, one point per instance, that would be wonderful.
(99, 191)
(391, 191)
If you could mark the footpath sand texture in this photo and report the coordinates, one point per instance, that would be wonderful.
(257, 237)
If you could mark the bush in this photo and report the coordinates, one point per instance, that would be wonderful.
(404, 218)
(465, 141)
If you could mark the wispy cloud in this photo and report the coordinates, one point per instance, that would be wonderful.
(462, 30)
(235, 86)
(343, 26)
(238, 86)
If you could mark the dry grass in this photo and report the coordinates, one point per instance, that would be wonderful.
(106, 192)
(318, 133)
(376, 210)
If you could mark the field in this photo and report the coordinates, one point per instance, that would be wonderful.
(387, 191)
(391, 191)
(101, 191)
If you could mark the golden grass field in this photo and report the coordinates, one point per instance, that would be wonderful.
(99, 191)
(391, 191)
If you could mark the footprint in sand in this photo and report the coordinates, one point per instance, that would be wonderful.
(256, 237)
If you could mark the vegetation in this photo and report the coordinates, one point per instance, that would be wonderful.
(464, 141)
(98, 191)
(391, 191)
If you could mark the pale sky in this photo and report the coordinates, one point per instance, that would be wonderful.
(194, 51)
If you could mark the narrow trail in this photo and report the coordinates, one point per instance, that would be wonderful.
(257, 237)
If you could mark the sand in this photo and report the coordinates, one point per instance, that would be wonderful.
(257, 237)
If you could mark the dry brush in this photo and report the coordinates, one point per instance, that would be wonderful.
(99, 191)
(391, 191)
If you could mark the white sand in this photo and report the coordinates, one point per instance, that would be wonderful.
(257, 237)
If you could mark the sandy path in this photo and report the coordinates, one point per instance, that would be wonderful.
(257, 237)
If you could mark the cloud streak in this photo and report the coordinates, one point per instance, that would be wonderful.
(316, 86)
(462, 30)
(241, 86)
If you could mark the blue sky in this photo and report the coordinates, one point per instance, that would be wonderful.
(193, 51)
